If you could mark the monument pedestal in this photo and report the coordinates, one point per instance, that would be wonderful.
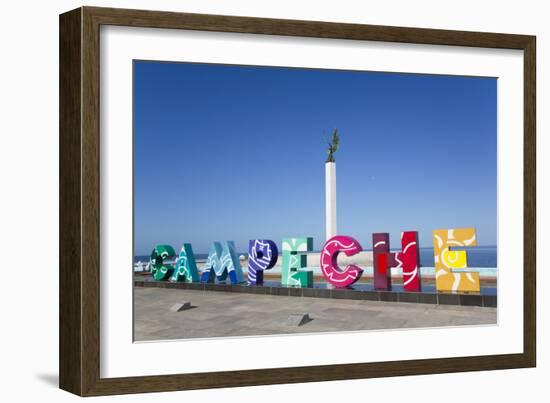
(330, 202)
(330, 199)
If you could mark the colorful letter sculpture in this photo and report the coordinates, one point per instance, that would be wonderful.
(293, 261)
(159, 270)
(329, 264)
(186, 268)
(262, 255)
(382, 260)
(222, 262)
(451, 266)
(446, 260)
(408, 260)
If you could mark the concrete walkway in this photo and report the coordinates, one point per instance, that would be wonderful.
(221, 314)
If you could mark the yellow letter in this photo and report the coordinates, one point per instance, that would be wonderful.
(446, 260)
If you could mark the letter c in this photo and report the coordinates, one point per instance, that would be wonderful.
(329, 265)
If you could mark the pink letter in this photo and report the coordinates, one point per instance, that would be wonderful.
(329, 265)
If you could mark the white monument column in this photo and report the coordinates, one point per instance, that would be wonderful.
(330, 199)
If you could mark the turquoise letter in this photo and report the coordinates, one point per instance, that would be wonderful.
(293, 261)
(186, 267)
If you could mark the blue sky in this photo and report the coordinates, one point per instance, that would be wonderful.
(237, 153)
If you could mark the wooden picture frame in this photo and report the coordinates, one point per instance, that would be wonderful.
(79, 346)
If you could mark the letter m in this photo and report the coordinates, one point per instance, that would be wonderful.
(222, 263)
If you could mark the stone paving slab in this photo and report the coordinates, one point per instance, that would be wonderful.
(225, 314)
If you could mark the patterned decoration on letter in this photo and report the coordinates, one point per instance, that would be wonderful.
(222, 262)
(446, 260)
(408, 260)
(159, 270)
(262, 255)
(186, 267)
(329, 264)
(294, 260)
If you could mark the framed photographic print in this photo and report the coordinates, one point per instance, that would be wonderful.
(207, 238)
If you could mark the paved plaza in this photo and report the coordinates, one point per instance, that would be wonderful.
(221, 314)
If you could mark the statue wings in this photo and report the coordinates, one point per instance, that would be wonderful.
(332, 146)
(335, 140)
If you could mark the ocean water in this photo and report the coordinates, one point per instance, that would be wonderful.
(480, 256)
